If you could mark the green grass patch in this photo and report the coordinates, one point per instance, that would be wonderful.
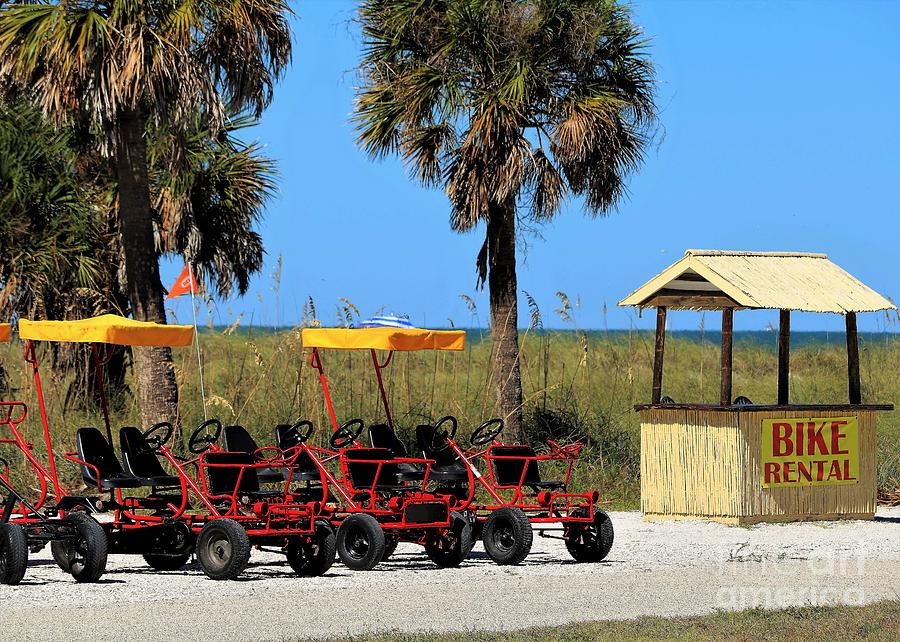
(875, 622)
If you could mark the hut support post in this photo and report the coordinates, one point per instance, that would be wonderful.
(727, 332)
(784, 357)
(658, 354)
(853, 359)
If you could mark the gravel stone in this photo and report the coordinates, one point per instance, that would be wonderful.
(655, 568)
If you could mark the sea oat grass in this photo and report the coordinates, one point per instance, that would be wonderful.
(575, 383)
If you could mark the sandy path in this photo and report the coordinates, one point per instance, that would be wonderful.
(670, 568)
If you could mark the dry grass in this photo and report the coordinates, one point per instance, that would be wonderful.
(877, 622)
(574, 382)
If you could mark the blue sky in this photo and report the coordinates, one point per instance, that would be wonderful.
(780, 130)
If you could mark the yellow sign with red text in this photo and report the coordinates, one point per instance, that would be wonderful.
(819, 451)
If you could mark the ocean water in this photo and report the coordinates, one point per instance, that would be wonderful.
(766, 338)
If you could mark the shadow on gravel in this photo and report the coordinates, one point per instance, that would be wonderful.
(260, 571)
(62, 579)
(889, 520)
(28, 582)
(533, 559)
(402, 563)
(477, 559)
(187, 569)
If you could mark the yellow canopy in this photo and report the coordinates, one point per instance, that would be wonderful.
(5, 332)
(108, 328)
(400, 339)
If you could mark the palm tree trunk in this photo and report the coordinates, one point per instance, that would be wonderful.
(501, 238)
(155, 374)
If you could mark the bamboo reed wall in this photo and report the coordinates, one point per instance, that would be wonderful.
(706, 463)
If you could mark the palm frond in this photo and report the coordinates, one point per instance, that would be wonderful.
(529, 100)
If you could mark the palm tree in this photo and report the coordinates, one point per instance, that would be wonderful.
(208, 189)
(57, 199)
(51, 242)
(512, 106)
(124, 65)
(210, 198)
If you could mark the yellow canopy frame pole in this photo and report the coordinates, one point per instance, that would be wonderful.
(197, 340)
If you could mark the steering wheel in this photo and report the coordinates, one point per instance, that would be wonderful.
(157, 436)
(201, 439)
(302, 431)
(486, 432)
(440, 439)
(347, 434)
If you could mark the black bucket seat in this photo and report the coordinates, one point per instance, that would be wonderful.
(447, 466)
(230, 473)
(383, 436)
(519, 469)
(142, 463)
(288, 437)
(236, 439)
(369, 468)
(105, 471)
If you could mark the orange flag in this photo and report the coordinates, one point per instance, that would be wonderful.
(184, 284)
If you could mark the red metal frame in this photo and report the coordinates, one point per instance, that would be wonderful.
(390, 511)
(31, 358)
(51, 476)
(99, 363)
(12, 423)
(275, 516)
(542, 507)
(534, 504)
(279, 516)
(315, 360)
(273, 519)
(378, 368)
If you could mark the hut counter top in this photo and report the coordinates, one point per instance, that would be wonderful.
(768, 407)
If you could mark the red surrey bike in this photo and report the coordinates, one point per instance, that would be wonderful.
(514, 500)
(26, 528)
(375, 501)
(149, 509)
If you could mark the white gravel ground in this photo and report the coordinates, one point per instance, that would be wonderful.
(660, 568)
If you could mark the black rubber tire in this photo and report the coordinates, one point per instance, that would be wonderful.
(60, 556)
(167, 562)
(86, 555)
(313, 558)
(58, 548)
(390, 545)
(590, 543)
(13, 553)
(360, 542)
(508, 536)
(450, 550)
(223, 549)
